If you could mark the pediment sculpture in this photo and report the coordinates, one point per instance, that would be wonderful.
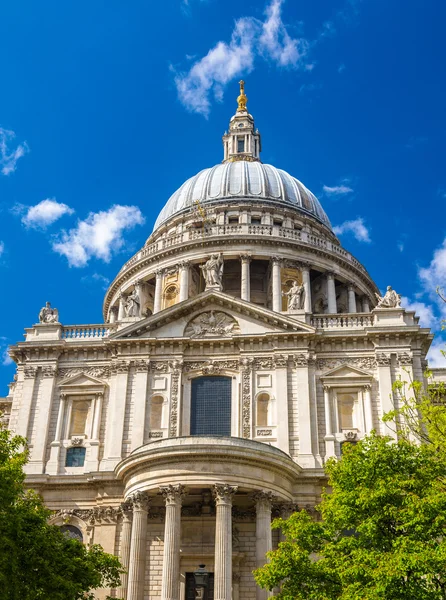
(48, 315)
(212, 324)
(390, 299)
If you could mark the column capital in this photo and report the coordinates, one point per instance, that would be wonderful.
(126, 510)
(286, 509)
(159, 273)
(184, 264)
(173, 494)
(367, 387)
(327, 388)
(140, 501)
(223, 493)
(351, 287)
(277, 260)
(330, 274)
(263, 499)
(245, 258)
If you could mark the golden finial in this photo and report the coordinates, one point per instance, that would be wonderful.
(242, 99)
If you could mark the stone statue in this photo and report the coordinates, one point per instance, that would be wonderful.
(212, 324)
(390, 299)
(48, 315)
(296, 297)
(133, 305)
(213, 272)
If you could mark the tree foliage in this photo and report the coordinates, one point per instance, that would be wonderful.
(37, 560)
(381, 533)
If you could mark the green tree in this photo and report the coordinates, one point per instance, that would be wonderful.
(381, 533)
(37, 560)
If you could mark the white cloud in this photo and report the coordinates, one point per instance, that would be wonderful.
(435, 274)
(9, 157)
(45, 213)
(96, 278)
(337, 190)
(2, 248)
(250, 39)
(423, 310)
(436, 356)
(356, 227)
(98, 236)
(5, 358)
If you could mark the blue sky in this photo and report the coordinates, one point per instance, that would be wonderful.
(107, 107)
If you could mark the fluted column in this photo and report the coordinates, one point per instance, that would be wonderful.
(184, 280)
(223, 541)
(124, 554)
(137, 558)
(121, 309)
(365, 304)
(173, 495)
(351, 299)
(368, 408)
(158, 291)
(307, 285)
(246, 281)
(331, 293)
(277, 284)
(264, 540)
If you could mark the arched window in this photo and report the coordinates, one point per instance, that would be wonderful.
(75, 457)
(170, 295)
(72, 532)
(211, 406)
(156, 412)
(79, 414)
(263, 408)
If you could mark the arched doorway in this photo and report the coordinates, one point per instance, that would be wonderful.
(211, 406)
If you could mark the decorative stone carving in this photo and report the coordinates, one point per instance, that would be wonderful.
(280, 361)
(366, 362)
(48, 315)
(91, 516)
(212, 367)
(49, 371)
(246, 365)
(141, 366)
(263, 362)
(296, 297)
(383, 360)
(173, 493)
(390, 299)
(213, 272)
(263, 499)
(264, 432)
(93, 371)
(77, 441)
(301, 360)
(159, 367)
(212, 324)
(350, 436)
(155, 434)
(30, 372)
(139, 500)
(174, 391)
(119, 367)
(133, 304)
(247, 514)
(404, 359)
(223, 492)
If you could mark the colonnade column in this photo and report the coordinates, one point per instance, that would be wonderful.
(126, 536)
(137, 558)
(329, 437)
(264, 540)
(158, 291)
(277, 284)
(184, 280)
(351, 299)
(246, 281)
(365, 304)
(223, 541)
(173, 495)
(307, 285)
(331, 293)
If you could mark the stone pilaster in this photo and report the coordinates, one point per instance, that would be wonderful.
(331, 293)
(115, 417)
(52, 466)
(277, 284)
(139, 403)
(126, 537)
(137, 557)
(223, 494)
(173, 495)
(306, 411)
(158, 291)
(29, 383)
(329, 437)
(246, 278)
(385, 391)
(264, 542)
(368, 412)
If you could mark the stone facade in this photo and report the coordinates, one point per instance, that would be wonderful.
(109, 408)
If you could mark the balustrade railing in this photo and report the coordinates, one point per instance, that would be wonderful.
(342, 321)
(84, 332)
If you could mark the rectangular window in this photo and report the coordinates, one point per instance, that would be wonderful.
(256, 221)
(240, 144)
(233, 220)
(75, 457)
(211, 406)
(79, 414)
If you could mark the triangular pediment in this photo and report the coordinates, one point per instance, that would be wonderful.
(81, 380)
(346, 371)
(232, 317)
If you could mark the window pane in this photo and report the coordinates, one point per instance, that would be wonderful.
(75, 457)
(240, 145)
(211, 406)
(79, 415)
(72, 532)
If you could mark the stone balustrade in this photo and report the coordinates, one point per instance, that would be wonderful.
(342, 321)
(84, 332)
(242, 230)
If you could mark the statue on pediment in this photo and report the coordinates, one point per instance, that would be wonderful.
(213, 272)
(390, 299)
(48, 315)
(296, 297)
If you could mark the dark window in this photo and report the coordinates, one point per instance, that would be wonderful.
(211, 406)
(256, 221)
(75, 457)
(278, 222)
(233, 220)
(190, 587)
(72, 532)
(240, 145)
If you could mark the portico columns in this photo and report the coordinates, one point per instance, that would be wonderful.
(331, 293)
(158, 291)
(173, 495)
(126, 535)
(277, 284)
(246, 282)
(264, 541)
(121, 309)
(329, 437)
(307, 286)
(365, 304)
(223, 541)
(184, 280)
(137, 559)
(351, 299)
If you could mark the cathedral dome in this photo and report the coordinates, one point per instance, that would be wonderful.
(243, 179)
